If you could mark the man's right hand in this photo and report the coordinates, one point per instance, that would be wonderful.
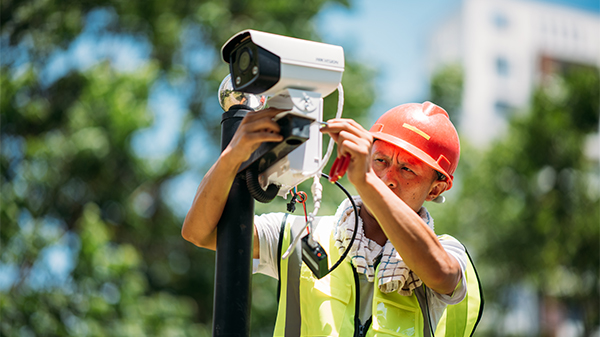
(256, 127)
(201, 221)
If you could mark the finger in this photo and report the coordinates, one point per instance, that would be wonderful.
(261, 137)
(338, 125)
(344, 138)
(261, 120)
(340, 131)
(264, 123)
(345, 123)
(333, 136)
(267, 113)
(352, 149)
(356, 151)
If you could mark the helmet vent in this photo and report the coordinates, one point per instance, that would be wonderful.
(377, 128)
(430, 109)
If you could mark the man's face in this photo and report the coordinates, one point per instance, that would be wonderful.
(408, 177)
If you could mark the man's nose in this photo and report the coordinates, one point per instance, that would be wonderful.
(390, 178)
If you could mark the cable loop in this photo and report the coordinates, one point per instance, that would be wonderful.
(300, 197)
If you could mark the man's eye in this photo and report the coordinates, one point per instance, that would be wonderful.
(406, 169)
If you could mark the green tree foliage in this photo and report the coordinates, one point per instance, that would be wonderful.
(71, 182)
(527, 206)
(89, 245)
(446, 90)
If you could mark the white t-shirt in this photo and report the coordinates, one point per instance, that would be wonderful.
(268, 227)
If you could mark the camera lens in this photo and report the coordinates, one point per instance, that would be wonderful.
(245, 59)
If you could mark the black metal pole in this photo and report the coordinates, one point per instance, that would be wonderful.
(235, 230)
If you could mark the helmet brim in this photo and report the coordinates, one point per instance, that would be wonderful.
(415, 151)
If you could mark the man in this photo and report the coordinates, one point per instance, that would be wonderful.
(406, 158)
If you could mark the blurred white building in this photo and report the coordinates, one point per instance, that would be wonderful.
(504, 46)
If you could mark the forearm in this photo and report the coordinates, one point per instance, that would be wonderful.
(413, 239)
(201, 221)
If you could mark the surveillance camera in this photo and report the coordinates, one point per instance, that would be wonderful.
(264, 63)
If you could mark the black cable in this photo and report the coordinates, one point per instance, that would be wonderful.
(256, 191)
(355, 224)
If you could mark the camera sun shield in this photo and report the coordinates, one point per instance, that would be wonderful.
(264, 63)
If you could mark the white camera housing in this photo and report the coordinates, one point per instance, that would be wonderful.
(295, 74)
(291, 170)
(264, 63)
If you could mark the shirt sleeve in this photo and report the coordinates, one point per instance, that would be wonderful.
(268, 227)
(456, 250)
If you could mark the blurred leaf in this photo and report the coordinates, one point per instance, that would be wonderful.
(446, 90)
(527, 206)
(72, 183)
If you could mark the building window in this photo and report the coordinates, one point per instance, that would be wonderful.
(502, 109)
(502, 68)
(500, 21)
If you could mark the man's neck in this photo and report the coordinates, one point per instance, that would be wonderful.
(371, 227)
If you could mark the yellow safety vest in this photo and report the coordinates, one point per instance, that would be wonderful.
(329, 306)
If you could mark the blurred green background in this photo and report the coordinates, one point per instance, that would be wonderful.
(90, 217)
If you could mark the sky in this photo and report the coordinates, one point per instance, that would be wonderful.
(392, 37)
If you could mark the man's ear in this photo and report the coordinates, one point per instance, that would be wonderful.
(437, 188)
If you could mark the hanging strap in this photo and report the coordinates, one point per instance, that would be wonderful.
(421, 293)
(291, 268)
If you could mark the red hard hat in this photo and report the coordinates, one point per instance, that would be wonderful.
(423, 130)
